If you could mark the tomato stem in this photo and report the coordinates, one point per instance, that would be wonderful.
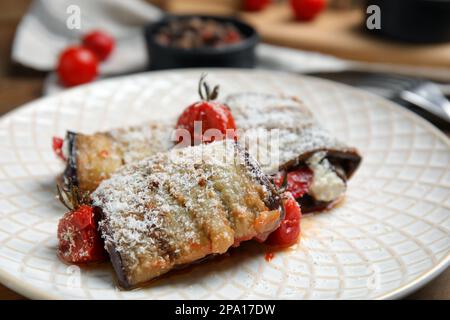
(72, 198)
(204, 90)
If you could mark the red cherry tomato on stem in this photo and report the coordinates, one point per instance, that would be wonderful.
(77, 65)
(100, 43)
(212, 115)
(307, 9)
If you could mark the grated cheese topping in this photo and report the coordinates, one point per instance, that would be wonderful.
(277, 130)
(164, 208)
(138, 142)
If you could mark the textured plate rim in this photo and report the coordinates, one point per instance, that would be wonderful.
(18, 285)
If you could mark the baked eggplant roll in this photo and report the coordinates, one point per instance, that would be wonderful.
(280, 132)
(93, 158)
(175, 208)
(284, 136)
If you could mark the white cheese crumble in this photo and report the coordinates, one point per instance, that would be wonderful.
(326, 185)
(65, 148)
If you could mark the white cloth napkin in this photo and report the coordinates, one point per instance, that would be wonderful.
(43, 32)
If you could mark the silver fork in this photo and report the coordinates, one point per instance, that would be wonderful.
(429, 97)
(426, 95)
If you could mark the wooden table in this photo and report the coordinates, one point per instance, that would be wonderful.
(340, 33)
(19, 85)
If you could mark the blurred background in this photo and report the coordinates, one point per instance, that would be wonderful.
(397, 49)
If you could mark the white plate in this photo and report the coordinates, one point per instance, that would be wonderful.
(391, 235)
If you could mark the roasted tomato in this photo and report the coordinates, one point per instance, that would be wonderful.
(298, 181)
(288, 232)
(79, 239)
(78, 236)
(57, 144)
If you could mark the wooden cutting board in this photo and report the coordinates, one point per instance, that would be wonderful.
(340, 33)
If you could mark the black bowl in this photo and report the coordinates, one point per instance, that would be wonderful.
(418, 21)
(239, 55)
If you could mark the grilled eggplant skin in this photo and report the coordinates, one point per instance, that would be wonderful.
(70, 178)
(90, 160)
(273, 202)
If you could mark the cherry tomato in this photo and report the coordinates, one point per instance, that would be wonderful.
(79, 239)
(307, 9)
(298, 181)
(292, 209)
(99, 42)
(212, 115)
(77, 65)
(286, 235)
(288, 232)
(57, 144)
(255, 5)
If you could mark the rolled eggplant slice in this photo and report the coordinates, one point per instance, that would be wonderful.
(283, 135)
(93, 158)
(178, 207)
